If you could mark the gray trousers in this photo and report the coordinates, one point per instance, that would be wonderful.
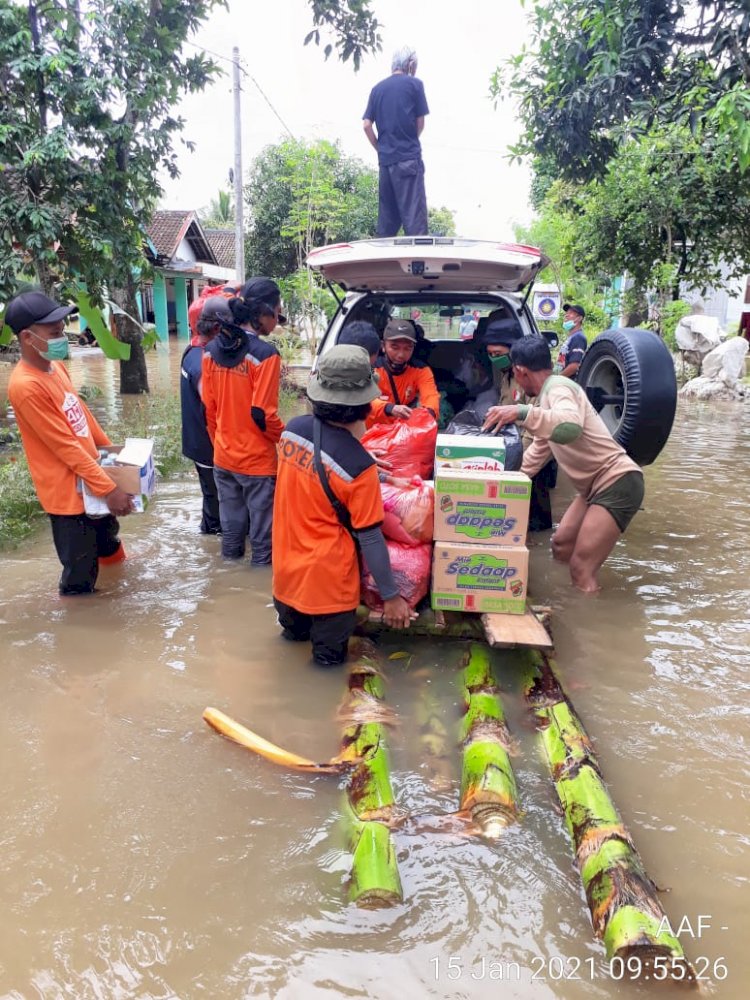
(401, 199)
(246, 510)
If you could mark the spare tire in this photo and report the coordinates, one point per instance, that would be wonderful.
(630, 379)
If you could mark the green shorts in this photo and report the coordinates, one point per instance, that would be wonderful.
(622, 499)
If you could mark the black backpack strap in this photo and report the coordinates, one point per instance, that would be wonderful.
(342, 512)
(394, 390)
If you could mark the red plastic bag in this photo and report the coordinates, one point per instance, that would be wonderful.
(413, 510)
(409, 445)
(196, 306)
(411, 566)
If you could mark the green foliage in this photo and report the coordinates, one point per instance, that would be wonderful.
(160, 418)
(220, 212)
(309, 303)
(668, 198)
(303, 194)
(355, 28)
(85, 131)
(441, 222)
(603, 71)
(20, 512)
(555, 232)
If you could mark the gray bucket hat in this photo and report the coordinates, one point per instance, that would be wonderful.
(343, 376)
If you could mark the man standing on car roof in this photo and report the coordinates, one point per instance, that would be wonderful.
(572, 351)
(564, 424)
(404, 383)
(61, 439)
(397, 107)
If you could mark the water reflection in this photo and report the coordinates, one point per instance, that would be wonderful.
(144, 856)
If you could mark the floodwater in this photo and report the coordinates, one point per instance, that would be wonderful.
(143, 856)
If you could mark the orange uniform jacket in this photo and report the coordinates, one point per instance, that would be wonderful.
(60, 437)
(242, 409)
(315, 567)
(416, 384)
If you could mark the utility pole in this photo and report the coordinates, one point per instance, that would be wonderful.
(239, 235)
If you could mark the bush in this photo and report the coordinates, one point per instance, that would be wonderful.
(20, 511)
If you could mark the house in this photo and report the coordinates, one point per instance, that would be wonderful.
(184, 258)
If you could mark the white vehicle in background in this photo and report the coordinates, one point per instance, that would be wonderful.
(434, 280)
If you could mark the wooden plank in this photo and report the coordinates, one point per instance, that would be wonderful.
(504, 631)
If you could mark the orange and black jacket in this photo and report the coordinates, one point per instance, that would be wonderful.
(415, 386)
(315, 566)
(240, 389)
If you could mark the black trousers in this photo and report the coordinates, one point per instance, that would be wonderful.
(210, 520)
(79, 541)
(329, 634)
(540, 509)
(402, 200)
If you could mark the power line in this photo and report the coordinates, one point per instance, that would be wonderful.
(218, 55)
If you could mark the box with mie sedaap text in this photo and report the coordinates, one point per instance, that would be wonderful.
(488, 507)
(483, 578)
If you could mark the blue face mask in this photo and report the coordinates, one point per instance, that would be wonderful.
(57, 349)
(568, 324)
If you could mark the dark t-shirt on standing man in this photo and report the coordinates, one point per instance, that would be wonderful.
(394, 106)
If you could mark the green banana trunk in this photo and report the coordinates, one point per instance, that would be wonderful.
(488, 785)
(433, 739)
(625, 910)
(369, 806)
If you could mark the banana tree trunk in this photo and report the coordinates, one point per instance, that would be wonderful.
(626, 913)
(370, 805)
(488, 785)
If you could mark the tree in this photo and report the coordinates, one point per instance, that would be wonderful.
(602, 71)
(668, 199)
(86, 123)
(300, 195)
(440, 222)
(220, 212)
(556, 232)
(354, 26)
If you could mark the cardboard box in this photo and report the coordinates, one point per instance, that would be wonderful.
(470, 451)
(486, 507)
(133, 471)
(471, 577)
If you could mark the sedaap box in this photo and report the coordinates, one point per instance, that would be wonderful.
(469, 451)
(132, 470)
(471, 577)
(488, 507)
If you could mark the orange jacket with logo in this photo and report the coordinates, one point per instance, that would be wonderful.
(60, 436)
(315, 566)
(242, 409)
(416, 384)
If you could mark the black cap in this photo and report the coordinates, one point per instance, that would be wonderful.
(576, 309)
(34, 307)
(216, 310)
(501, 332)
(265, 290)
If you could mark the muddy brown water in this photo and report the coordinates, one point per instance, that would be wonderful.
(143, 856)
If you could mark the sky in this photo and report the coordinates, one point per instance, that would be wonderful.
(459, 44)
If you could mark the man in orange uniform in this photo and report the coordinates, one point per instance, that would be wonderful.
(404, 383)
(240, 389)
(329, 506)
(61, 440)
